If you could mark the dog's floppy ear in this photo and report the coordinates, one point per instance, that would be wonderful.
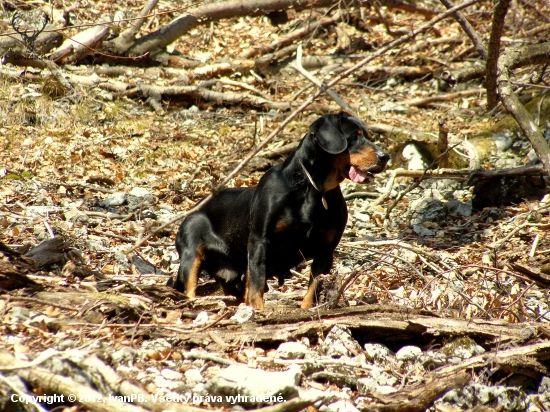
(327, 132)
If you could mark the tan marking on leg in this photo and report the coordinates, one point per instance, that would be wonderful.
(252, 297)
(309, 298)
(193, 276)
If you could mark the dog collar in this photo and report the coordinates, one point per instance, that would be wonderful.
(323, 200)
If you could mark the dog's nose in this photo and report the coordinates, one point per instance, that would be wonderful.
(383, 157)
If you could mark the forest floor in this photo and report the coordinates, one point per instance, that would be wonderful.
(64, 157)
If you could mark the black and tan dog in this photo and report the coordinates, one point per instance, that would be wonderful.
(244, 236)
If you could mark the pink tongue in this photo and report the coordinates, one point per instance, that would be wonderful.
(357, 175)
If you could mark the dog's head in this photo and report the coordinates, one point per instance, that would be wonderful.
(355, 156)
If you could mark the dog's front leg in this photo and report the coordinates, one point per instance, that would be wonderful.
(256, 273)
(321, 265)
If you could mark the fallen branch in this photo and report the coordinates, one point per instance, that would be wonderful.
(229, 82)
(539, 351)
(211, 12)
(407, 72)
(48, 252)
(76, 48)
(468, 173)
(380, 321)
(419, 398)
(125, 40)
(269, 58)
(427, 101)
(532, 273)
(291, 37)
(395, 243)
(528, 55)
(195, 93)
(45, 41)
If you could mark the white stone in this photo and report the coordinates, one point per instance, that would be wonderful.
(291, 350)
(408, 353)
(171, 374)
(247, 382)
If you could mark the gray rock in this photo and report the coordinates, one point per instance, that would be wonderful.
(408, 353)
(139, 192)
(156, 344)
(291, 350)
(422, 231)
(95, 245)
(462, 348)
(171, 374)
(544, 385)
(432, 359)
(507, 398)
(104, 94)
(428, 209)
(383, 378)
(76, 216)
(243, 314)
(162, 382)
(366, 386)
(503, 141)
(66, 344)
(139, 197)
(201, 319)
(193, 377)
(363, 217)
(343, 405)
(255, 386)
(114, 199)
(460, 208)
(416, 161)
(443, 185)
(377, 352)
(123, 261)
(124, 355)
(21, 313)
(339, 342)
(393, 107)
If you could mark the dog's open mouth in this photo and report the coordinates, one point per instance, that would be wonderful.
(359, 175)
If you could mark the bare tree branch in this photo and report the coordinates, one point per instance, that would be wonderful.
(469, 30)
(538, 53)
(289, 38)
(121, 43)
(214, 11)
(499, 14)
